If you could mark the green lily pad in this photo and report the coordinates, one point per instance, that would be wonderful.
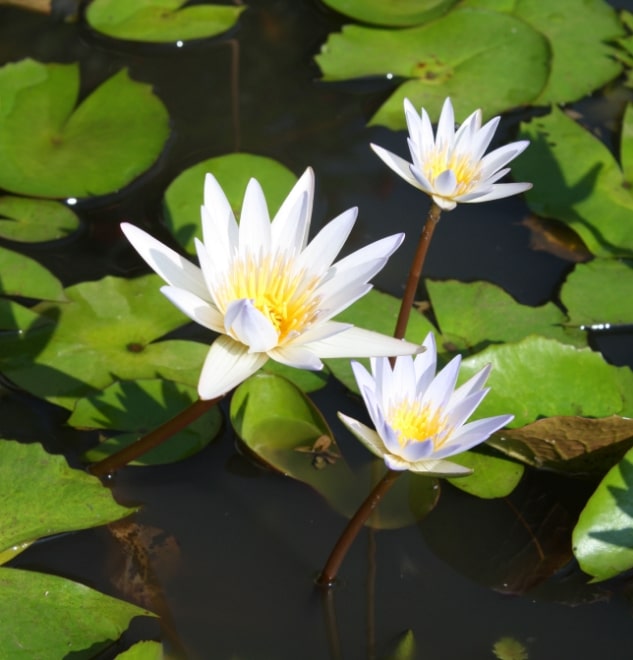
(600, 291)
(184, 195)
(281, 426)
(476, 313)
(603, 537)
(143, 651)
(375, 311)
(14, 316)
(308, 381)
(41, 495)
(139, 407)
(405, 648)
(46, 616)
(539, 377)
(25, 277)
(570, 445)
(471, 55)
(35, 220)
(578, 181)
(160, 20)
(53, 148)
(569, 31)
(492, 476)
(395, 14)
(105, 332)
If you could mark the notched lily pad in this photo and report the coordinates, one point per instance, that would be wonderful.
(282, 427)
(160, 20)
(34, 220)
(570, 445)
(138, 407)
(52, 147)
(233, 171)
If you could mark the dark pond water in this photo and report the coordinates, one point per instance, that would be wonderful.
(240, 546)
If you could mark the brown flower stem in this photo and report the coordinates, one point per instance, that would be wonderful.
(153, 438)
(328, 575)
(416, 270)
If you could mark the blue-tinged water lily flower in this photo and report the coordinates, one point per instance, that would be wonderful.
(420, 417)
(265, 290)
(450, 166)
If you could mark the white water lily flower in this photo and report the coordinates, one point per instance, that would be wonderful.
(265, 290)
(451, 166)
(420, 417)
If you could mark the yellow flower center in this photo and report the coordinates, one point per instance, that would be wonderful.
(417, 422)
(466, 171)
(280, 291)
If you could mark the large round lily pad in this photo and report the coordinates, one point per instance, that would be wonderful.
(160, 20)
(401, 13)
(34, 220)
(53, 148)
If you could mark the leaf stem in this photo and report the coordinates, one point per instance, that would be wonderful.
(153, 438)
(327, 577)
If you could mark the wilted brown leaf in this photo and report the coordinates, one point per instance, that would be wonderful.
(556, 238)
(42, 6)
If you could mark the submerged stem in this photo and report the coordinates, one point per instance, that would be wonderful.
(328, 575)
(416, 270)
(153, 438)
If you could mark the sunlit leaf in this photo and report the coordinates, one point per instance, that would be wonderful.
(41, 495)
(396, 14)
(34, 220)
(138, 407)
(53, 148)
(160, 20)
(25, 277)
(47, 616)
(281, 426)
(233, 171)
(378, 312)
(308, 381)
(539, 377)
(143, 651)
(106, 332)
(600, 291)
(572, 445)
(469, 55)
(492, 476)
(603, 537)
(577, 181)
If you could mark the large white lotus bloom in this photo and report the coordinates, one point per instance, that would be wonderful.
(267, 293)
(451, 166)
(419, 417)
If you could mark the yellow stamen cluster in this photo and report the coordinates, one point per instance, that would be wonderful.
(466, 171)
(280, 291)
(414, 421)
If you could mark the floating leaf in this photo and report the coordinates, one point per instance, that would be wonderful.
(46, 616)
(556, 238)
(395, 14)
(405, 648)
(143, 651)
(572, 445)
(476, 313)
(25, 277)
(469, 55)
(281, 426)
(375, 311)
(34, 220)
(600, 291)
(106, 332)
(539, 377)
(160, 20)
(184, 195)
(138, 407)
(41, 495)
(492, 476)
(508, 648)
(603, 536)
(577, 181)
(50, 148)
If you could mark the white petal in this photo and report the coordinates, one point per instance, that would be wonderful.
(220, 241)
(249, 326)
(195, 308)
(396, 463)
(218, 212)
(292, 221)
(254, 221)
(500, 190)
(173, 268)
(436, 468)
(445, 183)
(421, 181)
(446, 125)
(227, 364)
(440, 390)
(299, 357)
(367, 436)
(399, 165)
(501, 156)
(484, 136)
(460, 412)
(358, 342)
(473, 434)
(471, 385)
(443, 203)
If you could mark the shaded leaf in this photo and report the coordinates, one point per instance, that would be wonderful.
(138, 407)
(160, 20)
(508, 648)
(48, 143)
(25, 277)
(34, 220)
(143, 651)
(492, 476)
(405, 648)
(51, 617)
